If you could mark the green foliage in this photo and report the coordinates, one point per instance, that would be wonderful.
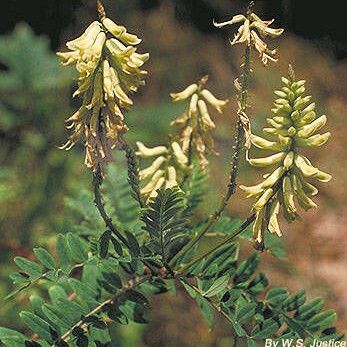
(195, 190)
(239, 294)
(164, 223)
(115, 252)
(34, 98)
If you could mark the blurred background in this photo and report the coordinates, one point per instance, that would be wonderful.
(35, 98)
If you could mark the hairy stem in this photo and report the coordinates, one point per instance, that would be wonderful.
(97, 181)
(133, 173)
(82, 323)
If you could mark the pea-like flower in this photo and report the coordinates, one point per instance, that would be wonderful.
(196, 123)
(109, 68)
(252, 32)
(294, 125)
(163, 171)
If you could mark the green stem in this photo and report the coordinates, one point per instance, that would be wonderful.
(97, 181)
(226, 240)
(212, 303)
(235, 161)
(82, 323)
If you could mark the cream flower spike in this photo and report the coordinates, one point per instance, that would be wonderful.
(169, 162)
(109, 69)
(294, 123)
(196, 123)
(251, 33)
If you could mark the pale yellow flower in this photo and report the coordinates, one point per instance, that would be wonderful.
(162, 173)
(252, 32)
(196, 123)
(294, 123)
(109, 68)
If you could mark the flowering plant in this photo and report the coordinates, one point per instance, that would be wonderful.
(106, 274)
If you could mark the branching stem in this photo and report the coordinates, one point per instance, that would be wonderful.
(132, 283)
(222, 243)
(239, 139)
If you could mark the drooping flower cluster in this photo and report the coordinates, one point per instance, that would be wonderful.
(195, 123)
(108, 69)
(162, 172)
(252, 33)
(294, 124)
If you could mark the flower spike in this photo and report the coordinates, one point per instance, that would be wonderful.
(164, 169)
(294, 123)
(109, 68)
(252, 32)
(196, 123)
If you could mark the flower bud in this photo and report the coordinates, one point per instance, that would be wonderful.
(181, 158)
(265, 144)
(171, 182)
(193, 106)
(120, 32)
(289, 160)
(185, 94)
(313, 141)
(212, 100)
(309, 129)
(263, 199)
(143, 174)
(146, 152)
(153, 183)
(272, 159)
(273, 226)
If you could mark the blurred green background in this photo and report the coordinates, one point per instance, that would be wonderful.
(35, 98)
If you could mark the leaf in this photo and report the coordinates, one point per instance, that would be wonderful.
(267, 329)
(11, 338)
(246, 269)
(37, 325)
(163, 221)
(77, 247)
(63, 251)
(294, 301)
(136, 297)
(59, 319)
(219, 285)
(85, 293)
(133, 244)
(195, 190)
(276, 296)
(45, 258)
(251, 342)
(258, 284)
(296, 327)
(33, 269)
(189, 289)
(245, 312)
(104, 243)
(117, 247)
(207, 310)
(321, 321)
(310, 309)
(112, 279)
